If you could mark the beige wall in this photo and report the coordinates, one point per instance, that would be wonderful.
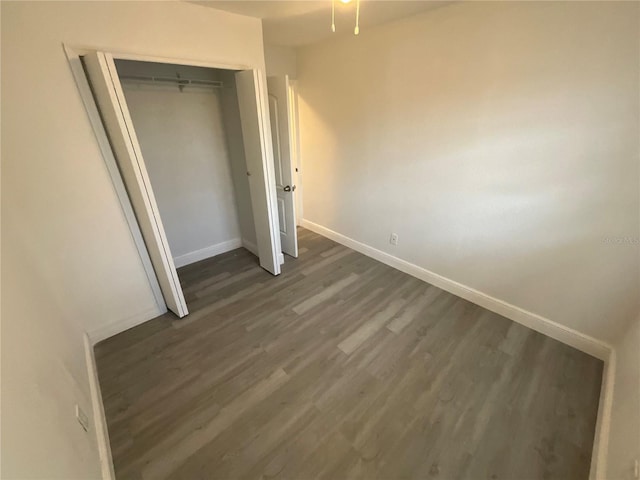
(68, 260)
(498, 140)
(44, 372)
(624, 439)
(182, 137)
(280, 60)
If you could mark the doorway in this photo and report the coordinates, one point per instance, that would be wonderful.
(114, 80)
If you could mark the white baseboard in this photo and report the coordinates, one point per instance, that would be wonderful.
(536, 322)
(563, 334)
(99, 419)
(252, 247)
(210, 251)
(113, 328)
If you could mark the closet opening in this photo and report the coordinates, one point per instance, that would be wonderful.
(199, 162)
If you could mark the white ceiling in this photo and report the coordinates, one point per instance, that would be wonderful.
(297, 23)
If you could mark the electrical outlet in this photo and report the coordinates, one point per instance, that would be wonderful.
(393, 240)
(636, 469)
(82, 418)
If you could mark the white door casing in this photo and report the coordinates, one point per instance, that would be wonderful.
(294, 117)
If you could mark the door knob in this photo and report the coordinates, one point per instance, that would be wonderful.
(287, 188)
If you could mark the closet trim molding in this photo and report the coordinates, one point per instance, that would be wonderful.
(179, 61)
(73, 55)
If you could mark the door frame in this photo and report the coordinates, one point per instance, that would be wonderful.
(296, 162)
(74, 54)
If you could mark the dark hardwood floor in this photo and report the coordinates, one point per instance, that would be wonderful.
(339, 368)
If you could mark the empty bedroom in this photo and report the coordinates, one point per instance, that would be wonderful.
(338, 239)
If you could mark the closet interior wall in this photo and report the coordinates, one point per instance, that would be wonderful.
(191, 141)
(231, 116)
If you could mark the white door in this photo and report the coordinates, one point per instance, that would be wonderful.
(258, 154)
(110, 99)
(280, 108)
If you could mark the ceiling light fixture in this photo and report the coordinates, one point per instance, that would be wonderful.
(356, 30)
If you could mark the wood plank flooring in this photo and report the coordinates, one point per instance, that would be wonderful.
(340, 368)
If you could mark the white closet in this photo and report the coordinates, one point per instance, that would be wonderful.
(193, 148)
(188, 126)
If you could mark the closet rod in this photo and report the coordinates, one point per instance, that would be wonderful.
(181, 82)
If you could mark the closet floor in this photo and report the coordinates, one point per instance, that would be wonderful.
(341, 367)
